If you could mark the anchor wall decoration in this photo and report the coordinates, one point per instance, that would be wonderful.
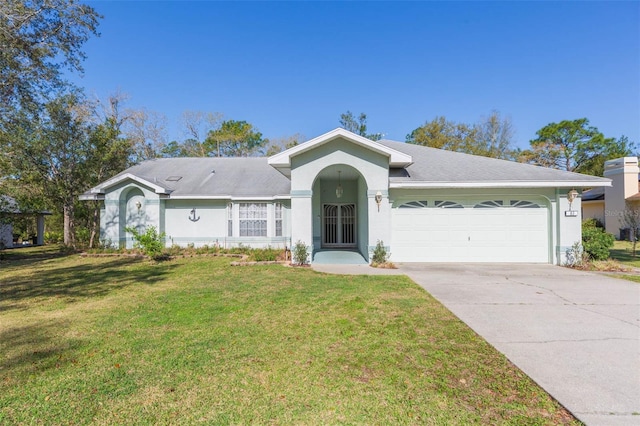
(193, 217)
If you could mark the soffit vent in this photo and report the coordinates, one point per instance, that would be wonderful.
(173, 178)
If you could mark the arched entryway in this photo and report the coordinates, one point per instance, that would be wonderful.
(340, 211)
(132, 214)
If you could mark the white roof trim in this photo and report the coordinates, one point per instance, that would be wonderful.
(396, 158)
(118, 179)
(91, 197)
(229, 197)
(494, 184)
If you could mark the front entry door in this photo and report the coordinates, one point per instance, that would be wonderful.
(339, 225)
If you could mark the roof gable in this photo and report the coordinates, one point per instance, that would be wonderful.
(282, 160)
(202, 177)
(94, 192)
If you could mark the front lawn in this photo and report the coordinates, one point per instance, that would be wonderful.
(622, 252)
(193, 340)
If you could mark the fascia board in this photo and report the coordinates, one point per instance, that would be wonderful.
(396, 158)
(514, 184)
(229, 197)
(91, 197)
(118, 179)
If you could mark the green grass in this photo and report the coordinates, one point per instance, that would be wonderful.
(634, 278)
(622, 252)
(193, 340)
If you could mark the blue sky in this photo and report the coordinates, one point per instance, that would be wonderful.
(294, 67)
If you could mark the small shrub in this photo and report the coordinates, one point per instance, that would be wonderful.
(239, 249)
(596, 243)
(150, 242)
(592, 223)
(264, 254)
(83, 235)
(52, 237)
(106, 244)
(576, 257)
(380, 258)
(380, 255)
(204, 249)
(174, 250)
(299, 255)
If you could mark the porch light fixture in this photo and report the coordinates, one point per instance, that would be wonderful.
(339, 190)
(378, 199)
(138, 205)
(571, 197)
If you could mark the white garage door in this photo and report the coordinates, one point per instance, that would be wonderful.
(510, 230)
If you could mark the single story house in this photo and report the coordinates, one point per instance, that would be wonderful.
(341, 191)
(608, 203)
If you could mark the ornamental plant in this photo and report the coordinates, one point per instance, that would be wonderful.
(300, 255)
(380, 255)
(596, 242)
(150, 242)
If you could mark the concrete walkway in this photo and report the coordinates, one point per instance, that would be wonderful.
(365, 269)
(577, 334)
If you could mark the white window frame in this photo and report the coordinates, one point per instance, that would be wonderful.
(278, 219)
(230, 220)
(253, 219)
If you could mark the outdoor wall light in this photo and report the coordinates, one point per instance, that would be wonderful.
(138, 205)
(378, 199)
(339, 190)
(571, 197)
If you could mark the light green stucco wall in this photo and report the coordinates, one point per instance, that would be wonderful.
(172, 217)
(363, 219)
(120, 211)
(309, 192)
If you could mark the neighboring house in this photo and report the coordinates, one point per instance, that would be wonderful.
(9, 210)
(607, 204)
(341, 191)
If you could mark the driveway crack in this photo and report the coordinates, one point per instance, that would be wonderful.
(577, 305)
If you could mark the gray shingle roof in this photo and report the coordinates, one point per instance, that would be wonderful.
(432, 165)
(240, 177)
(593, 194)
(254, 177)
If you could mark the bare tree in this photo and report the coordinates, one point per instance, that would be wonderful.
(111, 109)
(196, 126)
(494, 134)
(280, 144)
(147, 132)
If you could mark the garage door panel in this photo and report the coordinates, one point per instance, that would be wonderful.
(491, 234)
(488, 237)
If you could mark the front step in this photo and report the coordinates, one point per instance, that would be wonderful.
(338, 257)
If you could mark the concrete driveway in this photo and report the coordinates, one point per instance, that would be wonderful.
(577, 334)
